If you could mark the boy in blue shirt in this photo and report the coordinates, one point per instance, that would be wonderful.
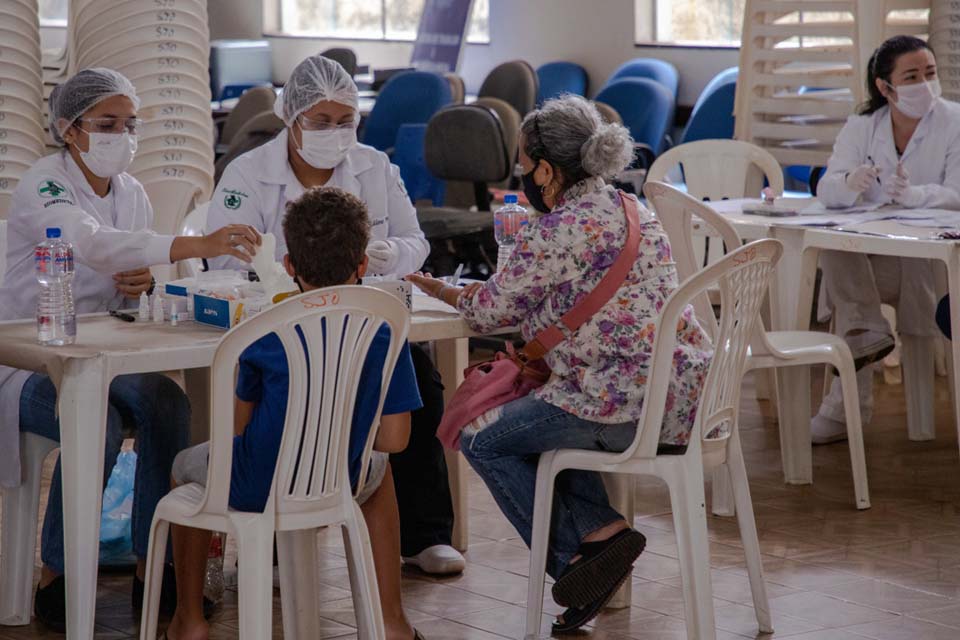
(327, 231)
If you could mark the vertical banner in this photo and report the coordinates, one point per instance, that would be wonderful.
(440, 35)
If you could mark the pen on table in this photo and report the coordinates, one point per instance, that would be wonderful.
(456, 275)
(126, 317)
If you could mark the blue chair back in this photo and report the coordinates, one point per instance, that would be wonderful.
(651, 68)
(645, 106)
(231, 91)
(409, 154)
(557, 78)
(407, 98)
(712, 116)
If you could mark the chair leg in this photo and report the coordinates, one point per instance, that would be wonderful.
(851, 407)
(539, 542)
(740, 487)
(620, 494)
(723, 504)
(255, 579)
(297, 556)
(690, 522)
(21, 512)
(918, 386)
(363, 577)
(153, 578)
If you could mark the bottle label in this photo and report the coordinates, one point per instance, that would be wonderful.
(41, 259)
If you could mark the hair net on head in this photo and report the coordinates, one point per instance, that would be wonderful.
(70, 100)
(314, 80)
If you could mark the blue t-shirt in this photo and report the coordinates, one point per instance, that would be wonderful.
(263, 379)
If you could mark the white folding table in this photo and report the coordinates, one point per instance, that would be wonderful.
(791, 296)
(107, 347)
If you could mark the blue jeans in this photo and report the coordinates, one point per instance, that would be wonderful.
(150, 404)
(505, 455)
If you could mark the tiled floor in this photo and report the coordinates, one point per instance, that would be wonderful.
(833, 573)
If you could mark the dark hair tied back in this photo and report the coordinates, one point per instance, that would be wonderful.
(881, 65)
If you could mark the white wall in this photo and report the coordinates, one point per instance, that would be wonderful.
(597, 34)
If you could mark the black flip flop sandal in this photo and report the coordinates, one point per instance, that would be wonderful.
(574, 618)
(600, 565)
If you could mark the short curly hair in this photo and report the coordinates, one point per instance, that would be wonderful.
(327, 231)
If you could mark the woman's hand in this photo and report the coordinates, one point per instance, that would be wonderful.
(237, 240)
(133, 283)
(427, 283)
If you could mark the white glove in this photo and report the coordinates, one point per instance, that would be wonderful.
(384, 255)
(862, 178)
(897, 186)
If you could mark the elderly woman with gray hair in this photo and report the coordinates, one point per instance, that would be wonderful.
(594, 396)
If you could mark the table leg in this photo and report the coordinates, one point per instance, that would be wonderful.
(791, 299)
(83, 423)
(197, 387)
(953, 286)
(452, 357)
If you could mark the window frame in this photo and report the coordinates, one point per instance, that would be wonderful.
(273, 27)
(654, 42)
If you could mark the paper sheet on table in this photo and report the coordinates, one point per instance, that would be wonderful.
(426, 303)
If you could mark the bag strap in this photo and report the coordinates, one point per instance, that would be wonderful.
(615, 276)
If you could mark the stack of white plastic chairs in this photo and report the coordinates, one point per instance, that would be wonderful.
(945, 40)
(21, 94)
(162, 46)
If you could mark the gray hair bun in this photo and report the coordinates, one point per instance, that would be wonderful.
(608, 151)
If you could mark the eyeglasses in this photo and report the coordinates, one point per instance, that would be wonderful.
(316, 125)
(113, 125)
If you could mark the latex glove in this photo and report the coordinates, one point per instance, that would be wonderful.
(862, 178)
(384, 256)
(897, 186)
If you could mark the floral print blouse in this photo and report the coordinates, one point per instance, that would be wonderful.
(600, 372)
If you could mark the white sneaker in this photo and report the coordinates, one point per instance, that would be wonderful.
(869, 347)
(440, 559)
(825, 430)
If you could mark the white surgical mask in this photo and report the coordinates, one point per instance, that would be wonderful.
(326, 149)
(109, 154)
(917, 100)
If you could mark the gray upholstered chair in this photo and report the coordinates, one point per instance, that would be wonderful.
(608, 113)
(253, 102)
(257, 130)
(510, 121)
(514, 82)
(458, 90)
(465, 143)
(346, 57)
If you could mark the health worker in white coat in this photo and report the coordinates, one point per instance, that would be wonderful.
(319, 147)
(903, 149)
(83, 190)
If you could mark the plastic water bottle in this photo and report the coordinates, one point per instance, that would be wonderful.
(213, 583)
(53, 263)
(507, 222)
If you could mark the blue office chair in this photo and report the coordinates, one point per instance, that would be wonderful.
(409, 154)
(407, 98)
(557, 78)
(651, 68)
(712, 116)
(645, 106)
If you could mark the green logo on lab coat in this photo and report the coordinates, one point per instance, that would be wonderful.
(233, 198)
(52, 189)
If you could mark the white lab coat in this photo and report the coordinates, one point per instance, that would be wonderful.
(932, 158)
(256, 187)
(109, 235)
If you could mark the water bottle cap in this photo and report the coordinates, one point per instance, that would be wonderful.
(510, 198)
(53, 232)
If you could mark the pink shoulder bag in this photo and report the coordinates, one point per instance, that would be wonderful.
(515, 374)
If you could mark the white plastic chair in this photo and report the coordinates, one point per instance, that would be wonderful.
(194, 224)
(743, 277)
(21, 511)
(769, 349)
(311, 485)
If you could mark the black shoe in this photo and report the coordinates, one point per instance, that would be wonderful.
(50, 605)
(168, 594)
